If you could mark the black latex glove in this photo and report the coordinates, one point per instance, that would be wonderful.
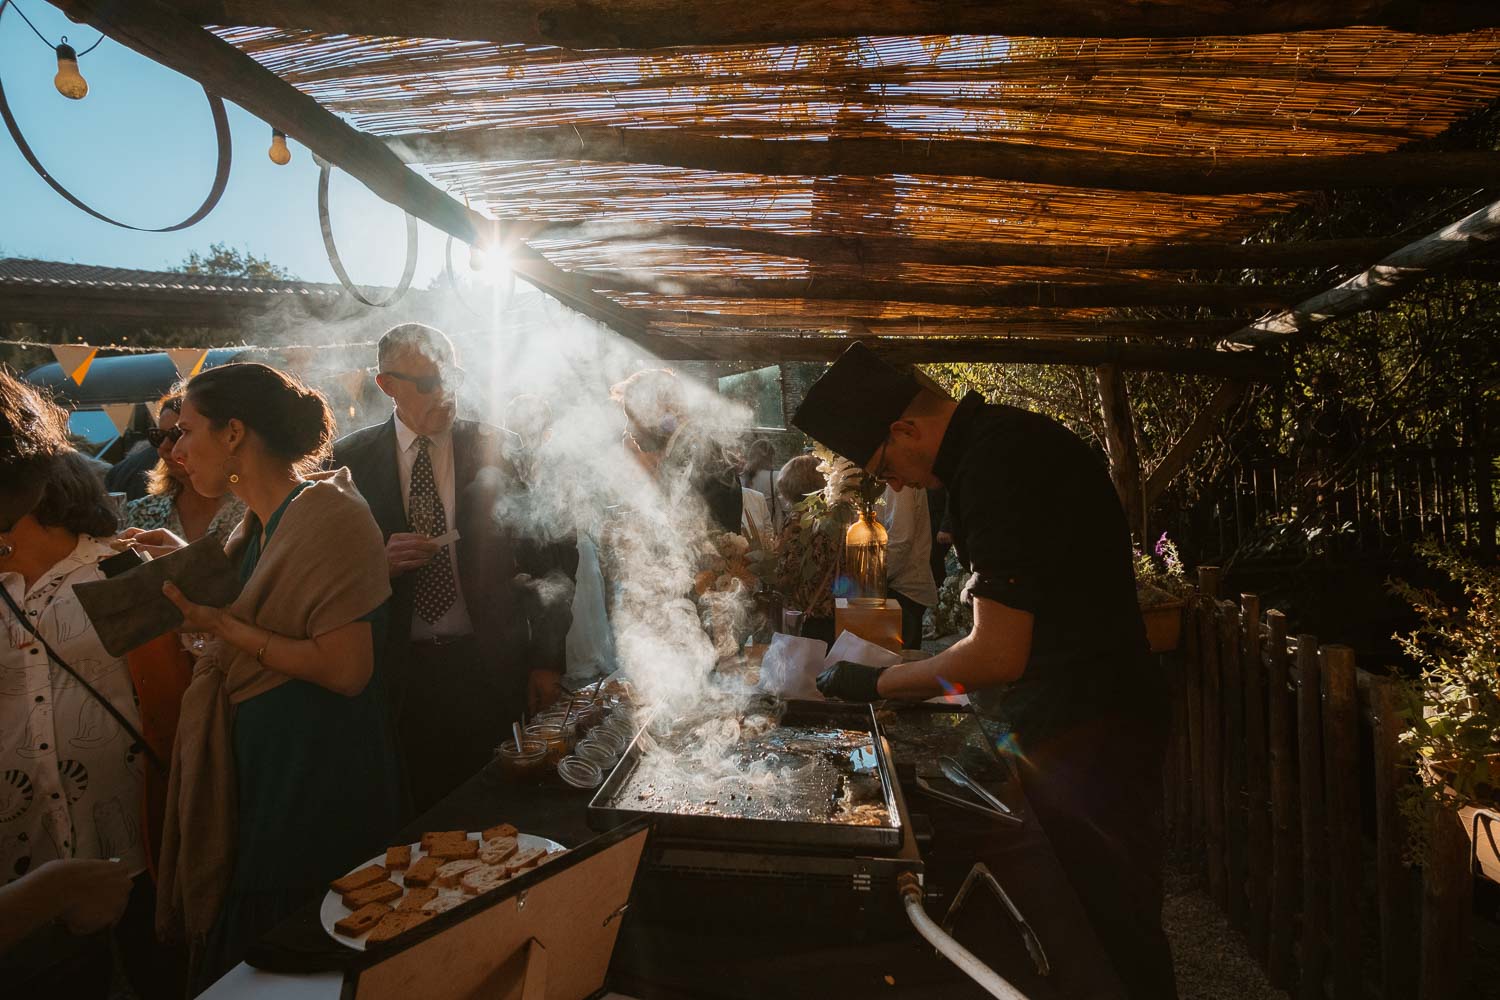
(850, 682)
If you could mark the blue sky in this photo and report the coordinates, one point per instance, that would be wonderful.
(140, 148)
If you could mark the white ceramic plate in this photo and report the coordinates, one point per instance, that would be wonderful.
(333, 909)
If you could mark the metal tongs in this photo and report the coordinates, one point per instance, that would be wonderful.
(981, 872)
(988, 806)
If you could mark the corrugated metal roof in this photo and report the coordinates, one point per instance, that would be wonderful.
(51, 273)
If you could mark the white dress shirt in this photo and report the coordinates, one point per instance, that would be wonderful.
(440, 450)
(70, 776)
(908, 552)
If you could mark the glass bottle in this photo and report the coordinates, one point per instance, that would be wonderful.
(864, 561)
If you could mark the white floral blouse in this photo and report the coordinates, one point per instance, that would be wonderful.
(160, 511)
(70, 776)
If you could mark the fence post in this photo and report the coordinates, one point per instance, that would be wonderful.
(1232, 692)
(1192, 666)
(1284, 891)
(1311, 958)
(1257, 778)
(1447, 891)
(1213, 745)
(1393, 879)
(1341, 781)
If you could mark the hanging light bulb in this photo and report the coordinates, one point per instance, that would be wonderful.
(478, 259)
(68, 81)
(279, 153)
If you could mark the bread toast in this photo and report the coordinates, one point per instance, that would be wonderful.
(368, 875)
(380, 892)
(398, 857)
(453, 850)
(498, 851)
(396, 923)
(422, 871)
(483, 879)
(417, 898)
(428, 839)
(499, 830)
(449, 875)
(362, 919)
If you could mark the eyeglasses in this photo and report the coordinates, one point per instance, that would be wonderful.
(156, 435)
(881, 472)
(450, 378)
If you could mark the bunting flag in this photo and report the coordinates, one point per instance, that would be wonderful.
(75, 359)
(119, 414)
(188, 360)
(353, 383)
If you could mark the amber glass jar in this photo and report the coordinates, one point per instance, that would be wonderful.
(864, 561)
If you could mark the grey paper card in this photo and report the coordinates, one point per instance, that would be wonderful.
(129, 610)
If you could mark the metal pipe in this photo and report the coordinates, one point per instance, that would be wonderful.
(993, 983)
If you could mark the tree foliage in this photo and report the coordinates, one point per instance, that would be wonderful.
(232, 262)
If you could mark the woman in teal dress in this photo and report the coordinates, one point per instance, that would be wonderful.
(291, 693)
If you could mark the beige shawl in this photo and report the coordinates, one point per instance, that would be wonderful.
(323, 568)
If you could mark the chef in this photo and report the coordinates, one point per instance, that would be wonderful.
(1058, 652)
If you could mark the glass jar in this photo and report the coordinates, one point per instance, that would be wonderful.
(526, 765)
(864, 561)
(553, 736)
(580, 773)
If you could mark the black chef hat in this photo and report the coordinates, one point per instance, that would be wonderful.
(851, 408)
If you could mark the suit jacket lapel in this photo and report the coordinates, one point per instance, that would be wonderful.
(384, 494)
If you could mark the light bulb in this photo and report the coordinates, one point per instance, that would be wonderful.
(478, 259)
(279, 153)
(68, 81)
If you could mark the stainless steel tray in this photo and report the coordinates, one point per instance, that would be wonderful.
(604, 812)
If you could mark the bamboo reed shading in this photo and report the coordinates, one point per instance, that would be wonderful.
(495, 123)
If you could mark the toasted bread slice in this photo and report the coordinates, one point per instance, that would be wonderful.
(397, 858)
(395, 924)
(417, 898)
(529, 858)
(452, 850)
(422, 871)
(428, 839)
(443, 904)
(362, 919)
(498, 851)
(500, 830)
(483, 879)
(368, 875)
(380, 892)
(449, 875)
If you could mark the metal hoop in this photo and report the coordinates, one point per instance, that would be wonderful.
(324, 172)
(510, 285)
(221, 169)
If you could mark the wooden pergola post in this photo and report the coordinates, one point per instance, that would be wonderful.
(1119, 440)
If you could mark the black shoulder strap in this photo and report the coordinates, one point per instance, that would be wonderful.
(119, 717)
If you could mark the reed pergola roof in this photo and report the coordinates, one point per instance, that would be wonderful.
(754, 187)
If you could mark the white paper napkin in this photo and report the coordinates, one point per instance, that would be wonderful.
(791, 666)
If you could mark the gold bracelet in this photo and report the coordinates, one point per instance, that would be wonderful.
(261, 653)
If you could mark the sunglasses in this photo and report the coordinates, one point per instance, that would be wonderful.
(451, 378)
(156, 435)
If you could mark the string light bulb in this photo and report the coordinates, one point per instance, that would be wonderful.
(68, 81)
(279, 153)
(478, 259)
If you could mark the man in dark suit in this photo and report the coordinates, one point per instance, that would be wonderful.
(477, 623)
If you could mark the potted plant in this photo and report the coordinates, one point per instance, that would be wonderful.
(1452, 707)
(1161, 590)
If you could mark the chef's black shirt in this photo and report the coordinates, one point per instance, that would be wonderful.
(1038, 527)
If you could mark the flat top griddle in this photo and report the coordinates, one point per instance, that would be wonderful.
(824, 782)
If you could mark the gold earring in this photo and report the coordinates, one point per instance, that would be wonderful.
(234, 477)
(6, 549)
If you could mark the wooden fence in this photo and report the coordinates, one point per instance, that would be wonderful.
(1274, 739)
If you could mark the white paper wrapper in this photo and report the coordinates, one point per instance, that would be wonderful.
(791, 666)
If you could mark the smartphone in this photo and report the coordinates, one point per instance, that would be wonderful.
(120, 562)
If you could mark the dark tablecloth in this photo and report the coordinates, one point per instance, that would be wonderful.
(787, 959)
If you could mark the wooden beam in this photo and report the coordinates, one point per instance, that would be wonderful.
(979, 294)
(1119, 442)
(946, 157)
(154, 29)
(1474, 235)
(1224, 399)
(592, 24)
(858, 250)
(914, 350)
(919, 326)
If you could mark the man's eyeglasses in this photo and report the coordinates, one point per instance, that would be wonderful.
(881, 472)
(451, 378)
(157, 435)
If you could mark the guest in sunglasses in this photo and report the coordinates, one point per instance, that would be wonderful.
(171, 502)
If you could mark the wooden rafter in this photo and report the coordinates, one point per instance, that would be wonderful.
(917, 326)
(1198, 255)
(1138, 293)
(154, 29)
(913, 350)
(655, 23)
(1474, 234)
(1003, 161)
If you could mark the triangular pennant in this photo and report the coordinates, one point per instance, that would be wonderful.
(75, 359)
(119, 414)
(188, 360)
(353, 383)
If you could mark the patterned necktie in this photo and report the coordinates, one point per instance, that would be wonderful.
(436, 591)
